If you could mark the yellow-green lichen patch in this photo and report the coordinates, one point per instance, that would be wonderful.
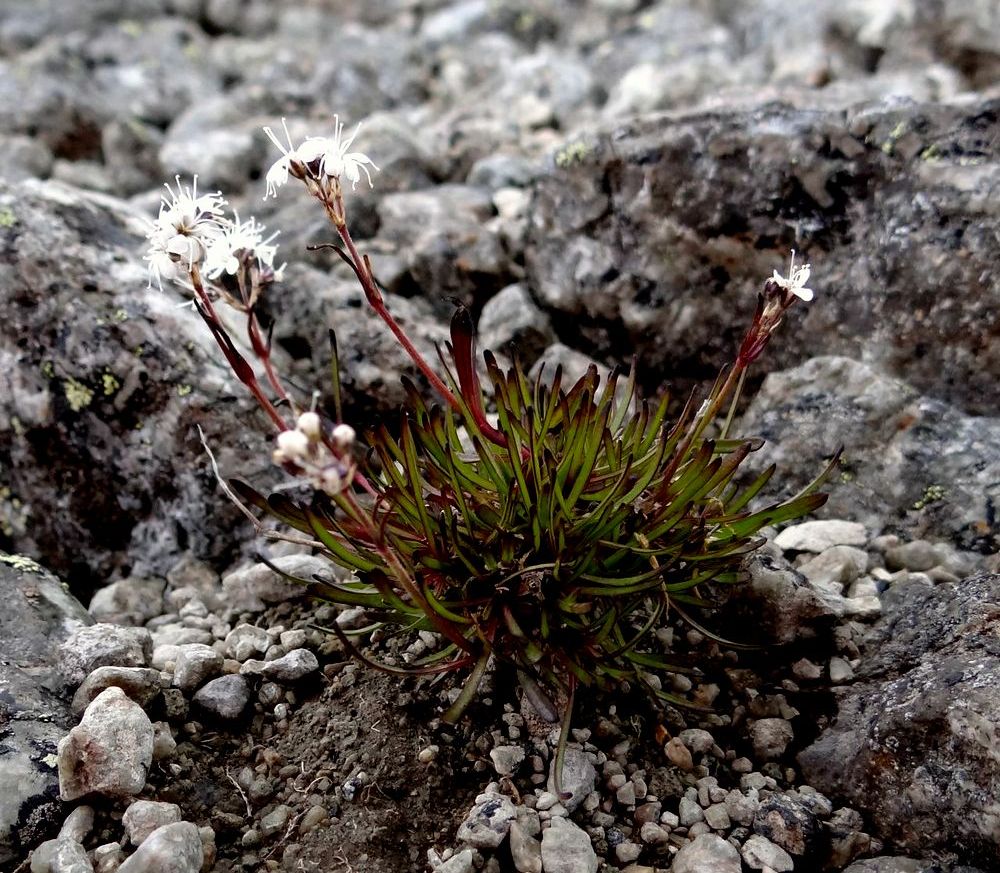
(574, 153)
(78, 395)
(183, 390)
(932, 494)
(22, 563)
(110, 383)
(7, 217)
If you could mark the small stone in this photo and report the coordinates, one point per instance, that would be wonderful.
(916, 556)
(244, 641)
(577, 780)
(506, 759)
(760, 853)
(463, 862)
(679, 754)
(141, 684)
(292, 667)
(653, 834)
(787, 822)
(107, 858)
(567, 849)
(717, 818)
(194, 665)
(428, 754)
(689, 812)
(699, 741)
(225, 698)
(314, 816)
(61, 855)
(78, 824)
(741, 808)
(525, 850)
(276, 820)
(103, 645)
(806, 670)
(109, 752)
(487, 824)
(816, 536)
(627, 851)
(173, 848)
(835, 567)
(840, 671)
(128, 602)
(626, 794)
(770, 738)
(707, 853)
(144, 816)
(164, 744)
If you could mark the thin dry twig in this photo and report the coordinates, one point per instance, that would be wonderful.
(246, 800)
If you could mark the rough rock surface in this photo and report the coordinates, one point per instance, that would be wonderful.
(652, 234)
(915, 743)
(911, 463)
(97, 405)
(38, 614)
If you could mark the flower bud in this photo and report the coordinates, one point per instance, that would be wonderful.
(330, 481)
(309, 424)
(292, 445)
(343, 436)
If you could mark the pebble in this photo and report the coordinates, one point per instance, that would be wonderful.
(164, 744)
(787, 822)
(291, 667)
(679, 754)
(566, 848)
(103, 645)
(142, 684)
(689, 812)
(770, 738)
(506, 759)
(225, 698)
(699, 741)
(707, 853)
(487, 824)
(245, 640)
(717, 818)
(428, 754)
(61, 855)
(819, 535)
(173, 848)
(276, 820)
(144, 816)
(525, 849)
(577, 780)
(806, 670)
(916, 556)
(313, 817)
(627, 851)
(741, 808)
(107, 858)
(463, 862)
(840, 671)
(109, 752)
(760, 853)
(194, 664)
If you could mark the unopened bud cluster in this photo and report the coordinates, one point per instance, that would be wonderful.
(323, 460)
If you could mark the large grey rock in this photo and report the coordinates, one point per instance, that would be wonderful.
(656, 235)
(911, 463)
(576, 779)
(914, 746)
(38, 614)
(109, 752)
(102, 385)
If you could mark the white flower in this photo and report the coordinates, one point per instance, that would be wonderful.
(186, 227)
(278, 174)
(223, 254)
(336, 158)
(795, 281)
